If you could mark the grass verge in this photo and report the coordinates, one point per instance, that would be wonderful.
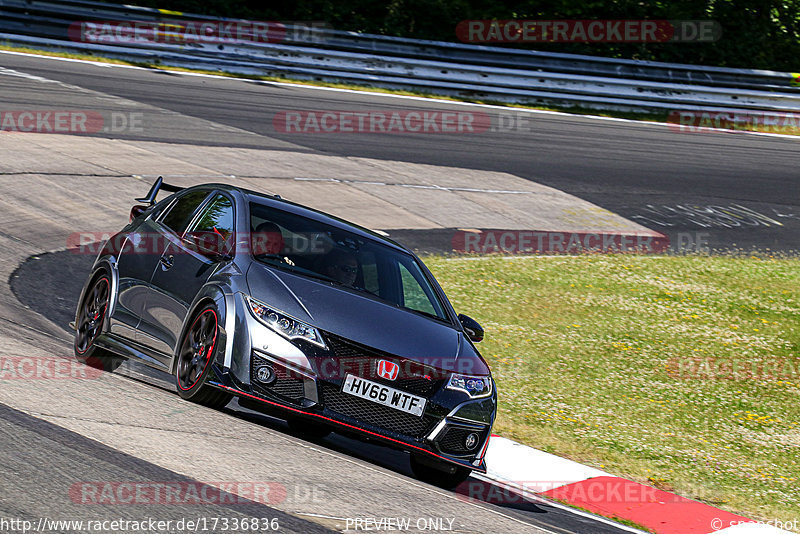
(681, 372)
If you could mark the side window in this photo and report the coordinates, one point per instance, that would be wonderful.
(159, 208)
(213, 231)
(414, 296)
(369, 270)
(180, 215)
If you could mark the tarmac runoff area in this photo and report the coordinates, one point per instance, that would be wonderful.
(430, 208)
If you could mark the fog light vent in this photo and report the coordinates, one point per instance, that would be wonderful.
(265, 374)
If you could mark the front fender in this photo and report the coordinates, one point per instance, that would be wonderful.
(222, 297)
(108, 265)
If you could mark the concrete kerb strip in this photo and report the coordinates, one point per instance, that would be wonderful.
(535, 475)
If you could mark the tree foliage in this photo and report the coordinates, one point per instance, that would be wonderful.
(761, 34)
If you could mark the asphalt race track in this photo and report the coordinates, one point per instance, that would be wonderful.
(680, 184)
(129, 426)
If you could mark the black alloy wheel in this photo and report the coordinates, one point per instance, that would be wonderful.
(197, 349)
(89, 325)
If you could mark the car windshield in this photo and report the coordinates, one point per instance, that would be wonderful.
(312, 248)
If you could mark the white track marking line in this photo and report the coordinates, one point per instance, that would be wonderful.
(419, 186)
(10, 72)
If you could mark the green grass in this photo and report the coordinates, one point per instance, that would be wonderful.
(598, 359)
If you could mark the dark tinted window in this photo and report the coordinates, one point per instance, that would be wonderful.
(312, 248)
(181, 212)
(158, 209)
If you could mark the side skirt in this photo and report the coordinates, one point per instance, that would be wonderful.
(129, 349)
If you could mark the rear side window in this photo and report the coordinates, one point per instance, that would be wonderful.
(216, 217)
(159, 208)
(180, 215)
(213, 229)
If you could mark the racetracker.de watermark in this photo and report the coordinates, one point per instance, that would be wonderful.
(704, 121)
(588, 31)
(533, 242)
(212, 32)
(197, 242)
(599, 490)
(382, 122)
(176, 493)
(711, 368)
(70, 121)
(45, 368)
(424, 369)
(401, 122)
(151, 525)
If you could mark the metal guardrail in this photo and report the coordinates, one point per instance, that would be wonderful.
(469, 71)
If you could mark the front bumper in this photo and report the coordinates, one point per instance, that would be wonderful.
(306, 381)
(359, 430)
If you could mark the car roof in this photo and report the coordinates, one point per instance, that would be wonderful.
(277, 202)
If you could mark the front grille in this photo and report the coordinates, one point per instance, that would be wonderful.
(287, 384)
(453, 440)
(374, 414)
(414, 377)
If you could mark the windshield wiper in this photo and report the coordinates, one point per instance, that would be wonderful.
(314, 274)
(281, 259)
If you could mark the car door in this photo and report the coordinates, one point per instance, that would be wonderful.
(135, 264)
(186, 265)
(168, 227)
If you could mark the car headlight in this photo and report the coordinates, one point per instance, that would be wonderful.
(287, 326)
(474, 386)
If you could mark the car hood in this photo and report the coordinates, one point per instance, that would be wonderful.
(364, 320)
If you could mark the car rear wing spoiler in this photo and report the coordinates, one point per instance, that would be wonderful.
(158, 185)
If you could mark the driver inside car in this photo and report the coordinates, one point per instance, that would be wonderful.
(341, 266)
(267, 239)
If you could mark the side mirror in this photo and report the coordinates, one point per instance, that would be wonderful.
(471, 327)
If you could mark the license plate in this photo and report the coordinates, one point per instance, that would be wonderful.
(393, 398)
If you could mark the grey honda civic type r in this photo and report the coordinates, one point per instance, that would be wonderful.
(297, 313)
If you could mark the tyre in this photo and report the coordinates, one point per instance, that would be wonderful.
(440, 474)
(308, 429)
(89, 324)
(197, 350)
